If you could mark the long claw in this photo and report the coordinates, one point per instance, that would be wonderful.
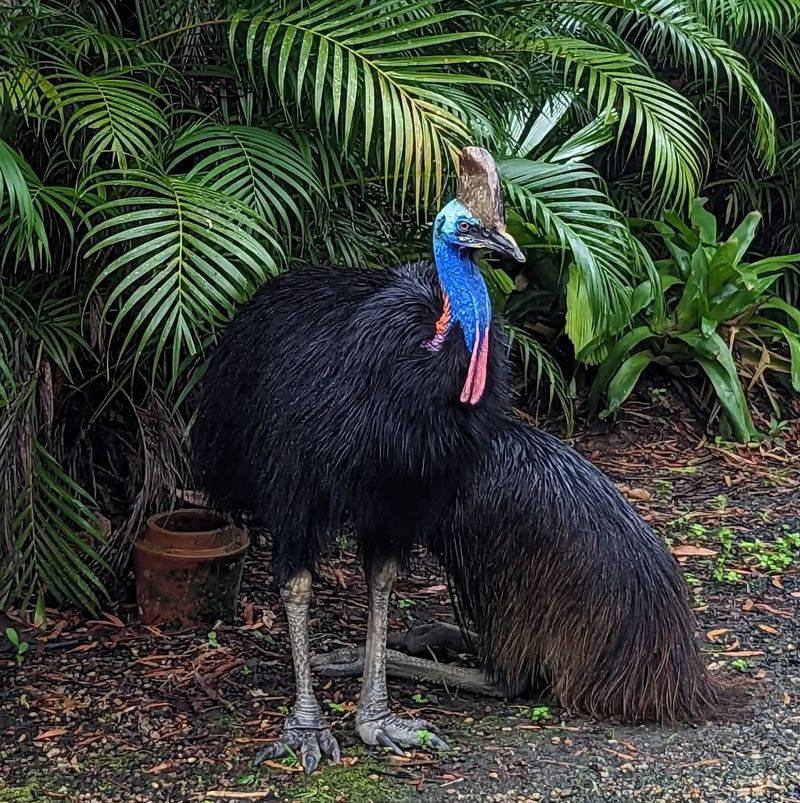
(384, 741)
(310, 754)
(437, 744)
(271, 751)
(389, 730)
(309, 739)
(330, 747)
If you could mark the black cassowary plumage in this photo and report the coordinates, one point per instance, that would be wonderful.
(568, 588)
(321, 403)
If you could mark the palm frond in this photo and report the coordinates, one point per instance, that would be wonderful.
(764, 17)
(27, 207)
(51, 531)
(107, 114)
(538, 366)
(674, 140)
(564, 204)
(186, 256)
(257, 167)
(666, 29)
(376, 69)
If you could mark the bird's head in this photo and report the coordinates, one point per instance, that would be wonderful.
(458, 227)
(475, 218)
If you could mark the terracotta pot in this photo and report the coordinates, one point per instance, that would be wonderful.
(189, 567)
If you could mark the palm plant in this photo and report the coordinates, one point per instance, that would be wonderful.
(158, 161)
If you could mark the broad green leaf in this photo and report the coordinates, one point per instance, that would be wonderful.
(704, 221)
(793, 341)
(625, 379)
(694, 300)
(744, 234)
(717, 361)
(611, 363)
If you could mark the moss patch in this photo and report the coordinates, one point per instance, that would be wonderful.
(365, 781)
(18, 794)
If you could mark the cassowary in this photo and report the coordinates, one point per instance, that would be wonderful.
(569, 589)
(560, 586)
(364, 396)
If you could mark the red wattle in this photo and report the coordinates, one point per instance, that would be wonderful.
(476, 375)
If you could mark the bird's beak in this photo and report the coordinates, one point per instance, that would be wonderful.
(502, 242)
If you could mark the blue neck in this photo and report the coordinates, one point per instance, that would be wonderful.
(461, 280)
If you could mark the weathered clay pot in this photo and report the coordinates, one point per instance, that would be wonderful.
(188, 567)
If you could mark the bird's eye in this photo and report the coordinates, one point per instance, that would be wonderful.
(463, 225)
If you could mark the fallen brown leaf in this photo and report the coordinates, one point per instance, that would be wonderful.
(713, 635)
(437, 589)
(762, 606)
(742, 653)
(49, 734)
(276, 766)
(768, 629)
(162, 767)
(689, 551)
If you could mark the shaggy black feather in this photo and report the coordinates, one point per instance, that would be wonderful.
(322, 403)
(568, 588)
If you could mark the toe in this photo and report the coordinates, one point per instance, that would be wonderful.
(330, 746)
(384, 741)
(310, 753)
(275, 750)
(436, 743)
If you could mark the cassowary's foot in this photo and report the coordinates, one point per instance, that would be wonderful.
(304, 729)
(388, 730)
(309, 736)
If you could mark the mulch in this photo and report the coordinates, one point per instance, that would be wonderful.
(107, 709)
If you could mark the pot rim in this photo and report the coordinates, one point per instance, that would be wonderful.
(157, 521)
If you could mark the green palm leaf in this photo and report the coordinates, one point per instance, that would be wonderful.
(673, 136)
(51, 530)
(107, 113)
(674, 32)
(538, 366)
(186, 255)
(14, 191)
(564, 204)
(375, 68)
(257, 167)
(763, 17)
(26, 206)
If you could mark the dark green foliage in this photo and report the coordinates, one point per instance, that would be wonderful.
(714, 300)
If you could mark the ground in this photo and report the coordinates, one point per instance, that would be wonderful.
(108, 710)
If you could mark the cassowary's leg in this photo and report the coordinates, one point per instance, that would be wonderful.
(376, 725)
(304, 730)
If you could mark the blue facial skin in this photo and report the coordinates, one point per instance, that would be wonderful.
(460, 277)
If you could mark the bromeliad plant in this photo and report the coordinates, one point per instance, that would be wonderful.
(715, 305)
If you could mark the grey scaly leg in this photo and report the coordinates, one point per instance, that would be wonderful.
(376, 725)
(304, 730)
